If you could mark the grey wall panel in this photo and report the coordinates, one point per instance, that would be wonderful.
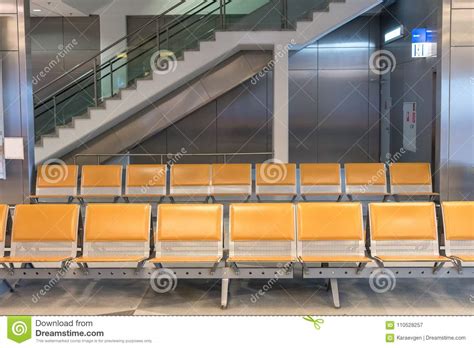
(84, 30)
(46, 33)
(8, 6)
(11, 101)
(8, 33)
(343, 116)
(196, 134)
(461, 149)
(462, 3)
(303, 105)
(53, 46)
(343, 58)
(462, 29)
(304, 59)
(242, 119)
(352, 34)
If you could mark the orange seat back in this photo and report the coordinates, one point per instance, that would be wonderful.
(330, 221)
(117, 222)
(45, 223)
(458, 218)
(101, 176)
(262, 222)
(403, 221)
(146, 175)
(189, 222)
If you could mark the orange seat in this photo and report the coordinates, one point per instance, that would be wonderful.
(231, 179)
(56, 181)
(43, 233)
(275, 179)
(101, 181)
(116, 233)
(413, 179)
(320, 179)
(458, 218)
(196, 238)
(365, 179)
(145, 180)
(331, 232)
(190, 180)
(404, 232)
(262, 232)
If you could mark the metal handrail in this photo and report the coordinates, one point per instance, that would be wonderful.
(95, 71)
(112, 45)
(162, 155)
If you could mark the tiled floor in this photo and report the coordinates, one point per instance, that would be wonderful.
(286, 297)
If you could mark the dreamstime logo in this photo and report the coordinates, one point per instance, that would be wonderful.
(19, 328)
(382, 280)
(382, 62)
(163, 62)
(471, 299)
(54, 170)
(163, 280)
(273, 171)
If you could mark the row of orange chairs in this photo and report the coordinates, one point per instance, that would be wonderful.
(206, 180)
(258, 233)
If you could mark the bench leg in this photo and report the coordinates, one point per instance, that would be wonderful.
(335, 292)
(9, 286)
(224, 293)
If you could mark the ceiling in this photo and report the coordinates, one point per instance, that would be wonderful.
(66, 8)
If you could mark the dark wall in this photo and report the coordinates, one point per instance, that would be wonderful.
(60, 43)
(334, 107)
(413, 79)
(334, 97)
(220, 126)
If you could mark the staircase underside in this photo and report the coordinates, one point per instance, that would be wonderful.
(179, 104)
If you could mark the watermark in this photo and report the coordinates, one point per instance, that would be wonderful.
(163, 62)
(63, 52)
(380, 175)
(280, 52)
(54, 170)
(382, 62)
(273, 171)
(282, 270)
(382, 281)
(163, 280)
(158, 177)
(316, 322)
(19, 328)
(50, 284)
(471, 299)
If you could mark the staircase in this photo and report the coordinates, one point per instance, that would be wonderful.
(111, 91)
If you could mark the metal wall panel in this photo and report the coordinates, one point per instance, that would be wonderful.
(8, 6)
(461, 149)
(8, 33)
(303, 106)
(52, 35)
(196, 134)
(462, 29)
(344, 58)
(463, 3)
(46, 33)
(242, 119)
(343, 116)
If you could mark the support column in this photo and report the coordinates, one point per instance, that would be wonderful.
(280, 104)
(112, 28)
(17, 99)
